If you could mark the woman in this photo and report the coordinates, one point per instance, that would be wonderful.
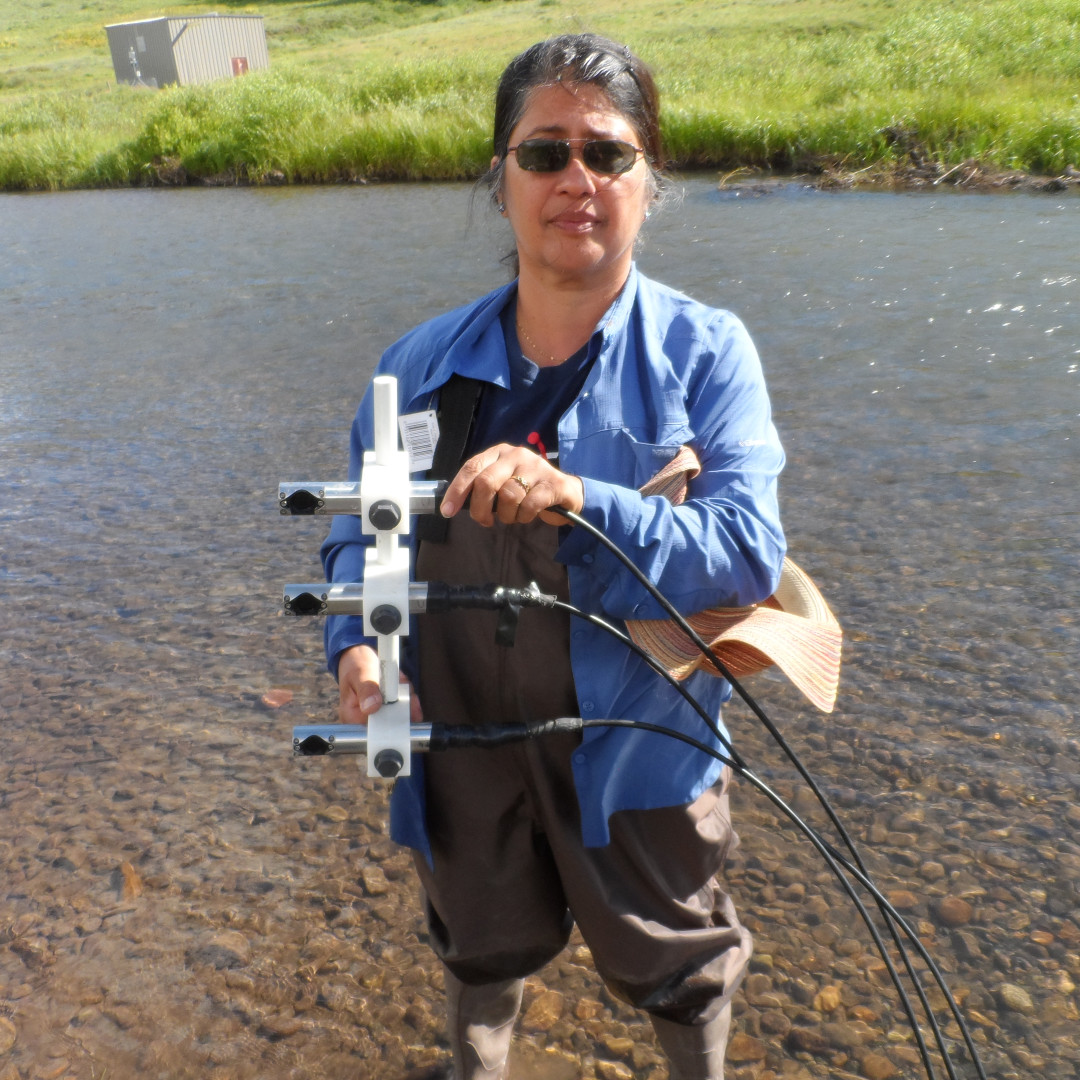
(591, 378)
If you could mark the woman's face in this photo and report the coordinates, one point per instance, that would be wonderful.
(574, 224)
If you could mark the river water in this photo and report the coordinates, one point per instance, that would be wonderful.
(182, 898)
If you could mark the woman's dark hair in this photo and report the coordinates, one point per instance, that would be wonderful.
(584, 59)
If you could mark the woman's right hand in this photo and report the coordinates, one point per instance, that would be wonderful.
(358, 687)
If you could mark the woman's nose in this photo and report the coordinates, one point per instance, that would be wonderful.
(577, 175)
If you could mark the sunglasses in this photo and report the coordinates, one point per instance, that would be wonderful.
(609, 157)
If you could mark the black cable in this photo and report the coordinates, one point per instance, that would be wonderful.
(837, 866)
(711, 656)
(891, 917)
(895, 919)
(827, 851)
(488, 736)
(733, 759)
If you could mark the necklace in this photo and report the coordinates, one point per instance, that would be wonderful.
(523, 333)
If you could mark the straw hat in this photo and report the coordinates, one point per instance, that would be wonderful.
(793, 628)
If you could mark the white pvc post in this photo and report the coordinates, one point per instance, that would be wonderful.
(385, 480)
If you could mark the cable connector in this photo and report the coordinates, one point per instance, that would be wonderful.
(458, 736)
(442, 597)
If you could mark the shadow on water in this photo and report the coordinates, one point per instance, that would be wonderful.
(182, 898)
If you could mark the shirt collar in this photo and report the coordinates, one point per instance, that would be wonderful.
(616, 317)
(479, 351)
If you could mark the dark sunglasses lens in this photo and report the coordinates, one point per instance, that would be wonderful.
(609, 156)
(543, 155)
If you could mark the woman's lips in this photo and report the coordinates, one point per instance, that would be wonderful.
(576, 221)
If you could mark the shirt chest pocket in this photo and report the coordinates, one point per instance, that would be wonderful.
(652, 438)
(628, 444)
(648, 457)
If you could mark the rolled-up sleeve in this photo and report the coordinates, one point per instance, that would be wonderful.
(724, 545)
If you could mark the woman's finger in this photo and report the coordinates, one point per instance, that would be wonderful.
(461, 487)
(513, 484)
(358, 684)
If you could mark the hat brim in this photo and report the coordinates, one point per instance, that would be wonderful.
(794, 629)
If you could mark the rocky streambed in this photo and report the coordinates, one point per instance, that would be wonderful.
(184, 899)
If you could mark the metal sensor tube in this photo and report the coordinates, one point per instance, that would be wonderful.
(318, 740)
(310, 497)
(344, 598)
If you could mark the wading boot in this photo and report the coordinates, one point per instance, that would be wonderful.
(481, 1026)
(695, 1051)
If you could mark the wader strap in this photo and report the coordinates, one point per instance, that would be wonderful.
(459, 399)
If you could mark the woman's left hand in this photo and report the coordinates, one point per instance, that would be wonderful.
(514, 485)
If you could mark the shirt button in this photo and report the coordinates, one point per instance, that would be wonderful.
(587, 706)
(579, 759)
(587, 559)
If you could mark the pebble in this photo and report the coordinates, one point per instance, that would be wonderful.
(774, 1022)
(877, 1067)
(132, 884)
(953, 911)
(375, 881)
(286, 1025)
(613, 1070)
(1015, 998)
(903, 899)
(52, 1070)
(617, 1045)
(275, 699)
(847, 1034)
(743, 1048)
(807, 1040)
(545, 1010)
(124, 1017)
(228, 949)
(588, 1008)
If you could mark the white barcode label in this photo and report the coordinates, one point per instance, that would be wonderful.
(419, 434)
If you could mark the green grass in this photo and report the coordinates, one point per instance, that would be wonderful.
(401, 89)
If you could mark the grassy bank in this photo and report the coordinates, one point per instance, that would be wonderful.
(402, 88)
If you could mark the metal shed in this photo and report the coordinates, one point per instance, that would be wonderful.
(187, 49)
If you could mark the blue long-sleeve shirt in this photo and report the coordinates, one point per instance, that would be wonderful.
(669, 371)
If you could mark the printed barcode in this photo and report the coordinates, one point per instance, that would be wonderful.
(418, 435)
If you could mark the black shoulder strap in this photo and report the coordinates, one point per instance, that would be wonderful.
(459, 399)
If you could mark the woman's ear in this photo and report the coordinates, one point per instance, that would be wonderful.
(499, 203)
